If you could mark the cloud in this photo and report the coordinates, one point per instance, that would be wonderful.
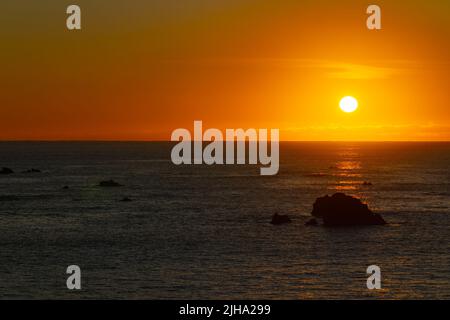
(330, 69)
(357, 71)
(411, 132)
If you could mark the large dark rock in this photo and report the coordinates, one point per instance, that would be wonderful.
(280, 219)
(6, 171)
(343, 210)
(109, 183)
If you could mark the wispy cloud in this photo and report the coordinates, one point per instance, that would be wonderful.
(426, 132)
(330, 69)
(358, 71)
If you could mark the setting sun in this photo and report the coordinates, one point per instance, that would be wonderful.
(348, 104)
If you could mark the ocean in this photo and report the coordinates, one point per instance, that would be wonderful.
(204, 232)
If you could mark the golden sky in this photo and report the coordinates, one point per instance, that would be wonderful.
(138, 70)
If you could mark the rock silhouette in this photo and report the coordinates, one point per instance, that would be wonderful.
(6, 171)
(125, 199)
(32, 170)
(317, 175)
(311, 222)
(109, 183)
(280, 219)
(9, 198)
(343, 210)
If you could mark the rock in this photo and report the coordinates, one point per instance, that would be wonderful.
(66, 187)
(125, 199)
(9, 198)
(280, 219)
(367, 183)
(32, 170)
(311, 222)
(344, 210)
(6, 171)
(316, 175)
(109, 183)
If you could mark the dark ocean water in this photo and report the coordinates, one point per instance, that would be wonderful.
(204, 232)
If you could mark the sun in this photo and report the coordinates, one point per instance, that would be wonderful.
(348, 104)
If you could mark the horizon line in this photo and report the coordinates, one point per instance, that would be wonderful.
(140, 140)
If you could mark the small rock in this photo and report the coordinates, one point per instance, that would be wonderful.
(125, 199)
(32, 170)
(280, 219)
(9, 198)
(367, 183)
(312, 222)
(109, 183)
(6, 171)
(66, 187)
(317, 175)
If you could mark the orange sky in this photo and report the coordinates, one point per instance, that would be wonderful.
(137, 71)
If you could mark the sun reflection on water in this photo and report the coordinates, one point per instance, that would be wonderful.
(347, 171)
(348, 165)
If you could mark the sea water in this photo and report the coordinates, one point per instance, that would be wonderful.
(203, 231)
